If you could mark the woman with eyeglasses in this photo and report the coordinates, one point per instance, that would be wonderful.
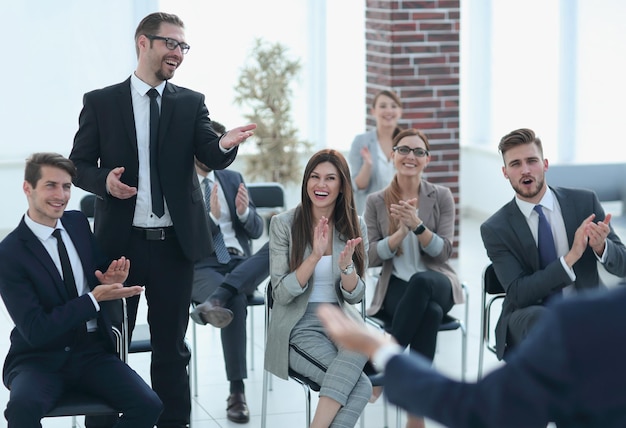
(318, 255)
(410, 226)
(370, 153)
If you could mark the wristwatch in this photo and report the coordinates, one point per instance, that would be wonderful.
(419, 229)
(348, 270)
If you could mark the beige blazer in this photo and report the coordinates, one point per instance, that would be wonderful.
(291, 300)
(436, 209)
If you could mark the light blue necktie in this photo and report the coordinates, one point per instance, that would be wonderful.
(545, 240)
(218, 239)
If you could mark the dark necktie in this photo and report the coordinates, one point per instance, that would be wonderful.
(545, 240)
(66, 267)
(218, 239)
(158, 207)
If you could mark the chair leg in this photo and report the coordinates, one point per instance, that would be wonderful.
(251, 344)
(266, 387)
(398, 417)
(307, 398)
(194, 359)
(463, 352)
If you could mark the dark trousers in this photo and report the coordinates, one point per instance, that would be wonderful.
(416, 309)
(92, 369)
(243, 274)
(167, 274)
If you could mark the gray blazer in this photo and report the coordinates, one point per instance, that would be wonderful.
(355, 160)
(436, 209)
(513, 251)
(291, 300)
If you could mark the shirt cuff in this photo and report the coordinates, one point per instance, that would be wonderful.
(219, 143)
(244, 217)
(95, 302)
(382, 356)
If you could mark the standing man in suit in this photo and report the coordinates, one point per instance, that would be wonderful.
(56, 297)
(579, 234)
(234, 221)
(570, 371)
(135, 150)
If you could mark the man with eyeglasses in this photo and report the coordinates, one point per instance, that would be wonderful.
(135, 150)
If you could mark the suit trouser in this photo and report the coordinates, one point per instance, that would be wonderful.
(244, 274)
(34, 392)
(167, 274)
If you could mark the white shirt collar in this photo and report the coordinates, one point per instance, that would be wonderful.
(527, 207)
(142, 87)
(41, 231)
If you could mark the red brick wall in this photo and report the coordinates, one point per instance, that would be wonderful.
(413, 48)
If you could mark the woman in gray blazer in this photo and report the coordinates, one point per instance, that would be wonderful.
(370, 153)
(317, 255)
(411, 228)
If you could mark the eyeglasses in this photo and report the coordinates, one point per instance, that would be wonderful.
(405, 150)
(171, 44)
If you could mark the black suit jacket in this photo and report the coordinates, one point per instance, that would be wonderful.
(107, 138)
(513, 251)
(47, 321)
(253, 227)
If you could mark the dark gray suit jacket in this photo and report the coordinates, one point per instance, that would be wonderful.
(107, 138)
(253, 227)
(513, 251)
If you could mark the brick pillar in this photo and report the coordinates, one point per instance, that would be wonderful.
(412, 47)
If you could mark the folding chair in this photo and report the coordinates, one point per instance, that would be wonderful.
(491, 286)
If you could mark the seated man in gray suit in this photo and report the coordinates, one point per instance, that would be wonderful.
(546, 242)
(223, 280)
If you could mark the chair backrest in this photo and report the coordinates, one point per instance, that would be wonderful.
(267, 195)
(491, 282)
(88, 205)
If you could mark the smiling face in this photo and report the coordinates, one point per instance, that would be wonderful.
(386, 111)
(323, 186)
(156, 62)
(411, 164)
(49, 197)
(525, 169)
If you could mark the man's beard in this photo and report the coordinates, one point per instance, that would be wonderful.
(532, 192)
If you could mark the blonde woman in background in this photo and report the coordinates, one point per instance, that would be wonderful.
(370, 153)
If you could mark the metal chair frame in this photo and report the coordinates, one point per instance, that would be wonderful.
(490, 286)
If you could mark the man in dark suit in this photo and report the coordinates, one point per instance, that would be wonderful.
(223, 284)
(570, 370)
(62, 337)
(579, 232)
(135, 150)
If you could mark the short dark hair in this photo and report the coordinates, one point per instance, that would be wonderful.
(218, 127)
(151, 24)
(517, 138)
(32, 171)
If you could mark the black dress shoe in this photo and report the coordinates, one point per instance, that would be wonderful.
(237, 409)
(212, 312)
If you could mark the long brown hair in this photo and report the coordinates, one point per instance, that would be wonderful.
(392, 192)
(345, 218)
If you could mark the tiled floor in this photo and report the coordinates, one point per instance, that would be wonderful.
(286, 400)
